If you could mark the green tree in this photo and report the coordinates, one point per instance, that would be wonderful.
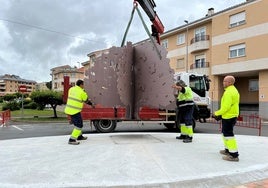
(10, 97)
(49, 85)
(52, 98)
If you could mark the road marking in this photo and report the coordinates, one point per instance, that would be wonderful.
(17, 127)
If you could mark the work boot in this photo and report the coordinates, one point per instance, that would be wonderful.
(81, 137)
(224, 152)
(73, 142)
(188, 139)
(181, 137)
(230, 158)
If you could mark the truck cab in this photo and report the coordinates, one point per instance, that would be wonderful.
(200, 86)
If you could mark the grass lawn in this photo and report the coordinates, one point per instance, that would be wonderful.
(29, 115)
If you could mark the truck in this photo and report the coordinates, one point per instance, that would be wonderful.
(200, 85)
(131, 84)
(105, 119)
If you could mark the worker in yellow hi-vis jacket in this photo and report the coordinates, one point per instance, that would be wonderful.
(76, 97)
(229, 111)
(185, 104)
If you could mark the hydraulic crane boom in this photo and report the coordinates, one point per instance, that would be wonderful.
(157, 26)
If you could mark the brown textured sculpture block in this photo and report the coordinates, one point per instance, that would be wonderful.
(132, 76)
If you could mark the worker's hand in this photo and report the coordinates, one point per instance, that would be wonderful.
(177, 87)
(217, 118)
(89, 102)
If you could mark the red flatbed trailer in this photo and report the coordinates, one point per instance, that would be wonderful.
(105, 119)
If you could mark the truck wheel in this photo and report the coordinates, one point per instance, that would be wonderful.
(169, 126)
(193, 124)
(105, 125)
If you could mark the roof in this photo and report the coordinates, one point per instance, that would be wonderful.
(61, 67)
(204, 19)
(12, 77)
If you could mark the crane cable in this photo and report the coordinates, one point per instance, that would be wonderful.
(135, 7)
(128, 25)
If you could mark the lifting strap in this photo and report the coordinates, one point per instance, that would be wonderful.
(135, 7)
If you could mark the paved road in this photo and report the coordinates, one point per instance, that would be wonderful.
(53, 129)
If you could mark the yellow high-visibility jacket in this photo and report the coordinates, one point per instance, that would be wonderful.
(186, 98)
(229, 103)
(76, 97)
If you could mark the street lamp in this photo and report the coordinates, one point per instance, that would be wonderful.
(186, 61)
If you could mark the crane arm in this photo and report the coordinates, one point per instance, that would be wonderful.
(157, 26)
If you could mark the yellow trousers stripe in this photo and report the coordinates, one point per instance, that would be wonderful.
(232, 145)
(183, 129)
(190, 131)
(76, 132)
(224, 142)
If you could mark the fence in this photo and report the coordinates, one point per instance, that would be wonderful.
(247, 121)
(4, 117)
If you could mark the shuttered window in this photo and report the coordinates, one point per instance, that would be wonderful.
(237, 50)
(180, 63)
(165, 43)
(181, 39)
(238, 19)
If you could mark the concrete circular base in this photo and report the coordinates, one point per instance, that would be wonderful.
(130, 160)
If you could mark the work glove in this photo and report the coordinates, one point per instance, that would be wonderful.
(91, 104)
(217, 118)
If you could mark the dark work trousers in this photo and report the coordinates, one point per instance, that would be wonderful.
(186, 115)
(228, 131)
(77, 120)
(228, 126)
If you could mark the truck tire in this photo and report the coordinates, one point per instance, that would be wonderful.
(169, 126)
(194, 124)
(105, 125)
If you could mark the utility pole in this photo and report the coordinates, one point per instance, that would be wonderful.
(186, 59)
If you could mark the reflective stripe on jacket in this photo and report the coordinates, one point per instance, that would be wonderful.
(185, 97)
(76, 97)
(229, 103)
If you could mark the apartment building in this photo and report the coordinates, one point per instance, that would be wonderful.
(10, 84)
(41, 86)
(92, 58)
(58, 74)
(229, 42)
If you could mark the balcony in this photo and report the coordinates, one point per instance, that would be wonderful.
(199, 43)
(200, 68)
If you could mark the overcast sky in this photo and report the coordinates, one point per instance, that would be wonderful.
(37, 35)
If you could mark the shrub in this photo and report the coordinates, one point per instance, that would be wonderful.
(31, 105)
(13, 105)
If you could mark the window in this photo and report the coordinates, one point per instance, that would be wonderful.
(197, 84)
(93, 58)
(237, 19)
(254, 85)
(165, 43)
(200, 34)
(200, 61)
(180, 64)
(237, 51)
(181, 39)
